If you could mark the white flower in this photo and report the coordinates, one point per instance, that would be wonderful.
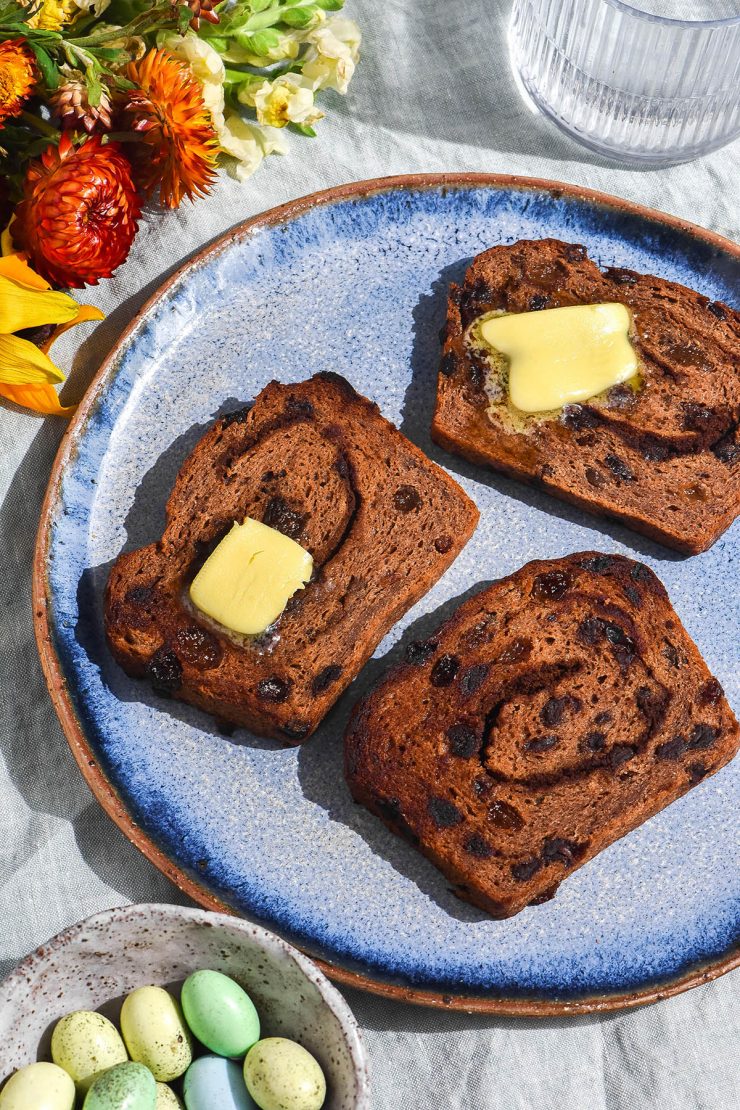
(96, 7)
(333, 53)
(248, 143)
(287, 99)
(207, 68)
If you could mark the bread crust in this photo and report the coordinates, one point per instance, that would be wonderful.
(318, 462)
(664, 461)
(554, 712)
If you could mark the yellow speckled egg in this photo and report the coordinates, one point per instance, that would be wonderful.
(84, 1044)
(166, 1098)
(281, 1075)
(155, 1032)
(38, 1087)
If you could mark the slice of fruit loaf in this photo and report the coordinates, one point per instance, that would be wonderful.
(664, 458)
(317, 462)
(554, 712)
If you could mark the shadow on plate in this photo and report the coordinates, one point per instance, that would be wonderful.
(320, 763)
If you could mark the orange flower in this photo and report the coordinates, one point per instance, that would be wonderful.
(180, 144)
(17, 77)
(79, 214)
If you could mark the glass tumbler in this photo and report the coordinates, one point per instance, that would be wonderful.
(653, 82)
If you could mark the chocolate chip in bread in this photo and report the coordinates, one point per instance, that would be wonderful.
(319, 463)
(664, 458)
(554, 712)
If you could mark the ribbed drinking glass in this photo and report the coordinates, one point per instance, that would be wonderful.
(656, 81)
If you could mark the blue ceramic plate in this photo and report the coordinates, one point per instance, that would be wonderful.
(355, 280)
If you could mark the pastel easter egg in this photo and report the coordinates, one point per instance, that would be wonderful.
(166, 1098)
(38, 1087)
(128, 1086)
(85, 1043)
(213, 1081)
(281, 1075)
(155, 1032)
(220, 1014)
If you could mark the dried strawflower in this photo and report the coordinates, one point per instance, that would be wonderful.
(79, 214)
(179, 143)
(70, 104)
(17, 77)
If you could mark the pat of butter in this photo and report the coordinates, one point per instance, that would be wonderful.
(560, 355)
(246, 582)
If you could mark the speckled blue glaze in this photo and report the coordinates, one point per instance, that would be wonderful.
(359, 286)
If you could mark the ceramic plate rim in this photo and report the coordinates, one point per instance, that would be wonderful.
(103, 790)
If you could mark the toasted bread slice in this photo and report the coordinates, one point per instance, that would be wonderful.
(319, 463)
(551, 714)
(664, 460)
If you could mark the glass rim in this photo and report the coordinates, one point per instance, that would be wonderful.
(632, 8)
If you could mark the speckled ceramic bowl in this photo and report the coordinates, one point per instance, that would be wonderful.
(95, 963)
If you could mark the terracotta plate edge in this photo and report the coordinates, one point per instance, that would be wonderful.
(100, 786)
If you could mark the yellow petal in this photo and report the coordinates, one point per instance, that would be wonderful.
(84, 312)
(41, 398)
(15, 266)
(6, 240)
(21, 363)
(28, 308)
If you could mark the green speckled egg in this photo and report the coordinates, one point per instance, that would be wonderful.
(281, 1075)
(166, 1098)
(38, 1087)
(220, 1014)
(85, 1043)
(125, 1087)
(155, 1032)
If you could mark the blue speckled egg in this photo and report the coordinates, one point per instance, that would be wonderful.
(212, 1081)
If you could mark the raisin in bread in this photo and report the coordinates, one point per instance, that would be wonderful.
(664, 460)
(553, 713)
(319, 463)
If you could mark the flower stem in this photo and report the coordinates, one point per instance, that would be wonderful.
(40, 125)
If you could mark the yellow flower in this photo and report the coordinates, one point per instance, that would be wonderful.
(52, 15)
(287, 99)
(27, 374)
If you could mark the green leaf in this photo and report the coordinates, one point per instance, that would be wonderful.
(122, 82)
(260, 5)
(329, 5)
(303, 129)
(184, 15)
(260, 20)
(94, 87)
(108, 54)
(12, 12)
(46, 64)
(259, 43)
(299, 17)
(218, 42)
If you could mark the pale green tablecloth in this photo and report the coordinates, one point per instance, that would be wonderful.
(433, 92)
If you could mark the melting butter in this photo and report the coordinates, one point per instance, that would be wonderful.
(561, 355)
(248, 579)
